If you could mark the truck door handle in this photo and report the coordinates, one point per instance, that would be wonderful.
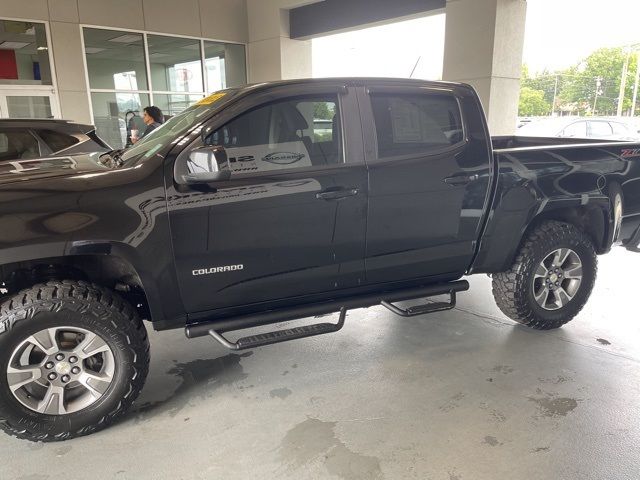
(457, 180)
(335, 193)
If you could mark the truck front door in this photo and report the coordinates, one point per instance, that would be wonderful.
(429, 174)
(291, 220)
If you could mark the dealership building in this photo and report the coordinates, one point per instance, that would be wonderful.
(413, 266)
(101, 62)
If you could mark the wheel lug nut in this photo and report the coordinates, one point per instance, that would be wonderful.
(48, 365)
(52, 376)
(73, 359)
(75, 370)
(557, 283)
(59, 357)
(65, 378)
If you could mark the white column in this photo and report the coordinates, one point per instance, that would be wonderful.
(484, 40)
(272, 54)
(70, 72)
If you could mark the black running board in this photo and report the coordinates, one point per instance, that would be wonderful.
(278, 336)
(215, 328)
(430, 307)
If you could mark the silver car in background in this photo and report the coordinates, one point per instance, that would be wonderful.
(581, 127)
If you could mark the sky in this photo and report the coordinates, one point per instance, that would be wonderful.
(559, 33)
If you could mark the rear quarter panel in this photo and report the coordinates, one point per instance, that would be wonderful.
(534, 182)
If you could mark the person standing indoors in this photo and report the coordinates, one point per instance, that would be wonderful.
(152, 118)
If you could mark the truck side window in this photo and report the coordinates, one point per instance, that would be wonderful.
(415, 123)
(293, 133)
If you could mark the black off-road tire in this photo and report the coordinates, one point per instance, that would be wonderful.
(90, 307)
(513, 289)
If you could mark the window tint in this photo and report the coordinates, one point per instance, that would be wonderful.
(294, 133)
(57, 141)
(576, 130)
(18, 144)
(415, 124)
(600, 129)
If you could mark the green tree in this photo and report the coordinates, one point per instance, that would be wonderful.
(321, 111)
(545, 82)
(533, 103)
(600, 73)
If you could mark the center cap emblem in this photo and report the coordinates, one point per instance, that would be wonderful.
(63, 368)
(553, 277)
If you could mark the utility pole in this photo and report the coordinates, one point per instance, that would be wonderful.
(555, 94)
(598, 92)
(635, 85)
(623, 82)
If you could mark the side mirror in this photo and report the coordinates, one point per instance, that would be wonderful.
(208, 165)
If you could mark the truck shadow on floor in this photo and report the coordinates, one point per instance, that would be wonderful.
(199, 378)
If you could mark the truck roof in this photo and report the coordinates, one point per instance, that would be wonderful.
(353, 81)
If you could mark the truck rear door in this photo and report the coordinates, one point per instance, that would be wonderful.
(429, 163)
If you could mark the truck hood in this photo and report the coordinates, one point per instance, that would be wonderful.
(50, 167)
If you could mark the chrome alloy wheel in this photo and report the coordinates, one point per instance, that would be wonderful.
(557, 279)
(60, 370)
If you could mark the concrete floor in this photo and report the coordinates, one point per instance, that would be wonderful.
(465, 394)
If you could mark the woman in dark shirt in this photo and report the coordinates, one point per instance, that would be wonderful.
(152, 118)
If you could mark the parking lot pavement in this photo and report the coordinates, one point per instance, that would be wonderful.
(464, 394)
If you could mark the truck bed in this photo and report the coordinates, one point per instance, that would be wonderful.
(564, 170)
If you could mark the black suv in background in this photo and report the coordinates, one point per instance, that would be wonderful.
(24, 139)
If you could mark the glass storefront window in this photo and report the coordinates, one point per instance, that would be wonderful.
(116, 114)
(172, 104)
(225, 64)
(115, 59)
(24, 54)
(129, 70)
(24, 106)
(175, 64)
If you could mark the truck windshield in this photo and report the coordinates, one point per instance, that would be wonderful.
(174, 128)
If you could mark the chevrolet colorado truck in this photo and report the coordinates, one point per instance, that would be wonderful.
(280, 201)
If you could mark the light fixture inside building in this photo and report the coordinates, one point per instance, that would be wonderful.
(12, 45)
(126, 39)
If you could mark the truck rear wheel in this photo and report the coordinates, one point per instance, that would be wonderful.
(551, 278)
(73, 358)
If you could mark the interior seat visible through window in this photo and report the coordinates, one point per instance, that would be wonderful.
(293, 133)
(19, 145)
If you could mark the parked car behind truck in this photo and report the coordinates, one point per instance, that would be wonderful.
(25, 139)
(236, 213)
(601, 128)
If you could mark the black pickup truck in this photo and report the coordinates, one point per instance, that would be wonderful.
(279, 201)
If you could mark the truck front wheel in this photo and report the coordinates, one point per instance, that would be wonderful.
(73, 357)
(551, 278)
